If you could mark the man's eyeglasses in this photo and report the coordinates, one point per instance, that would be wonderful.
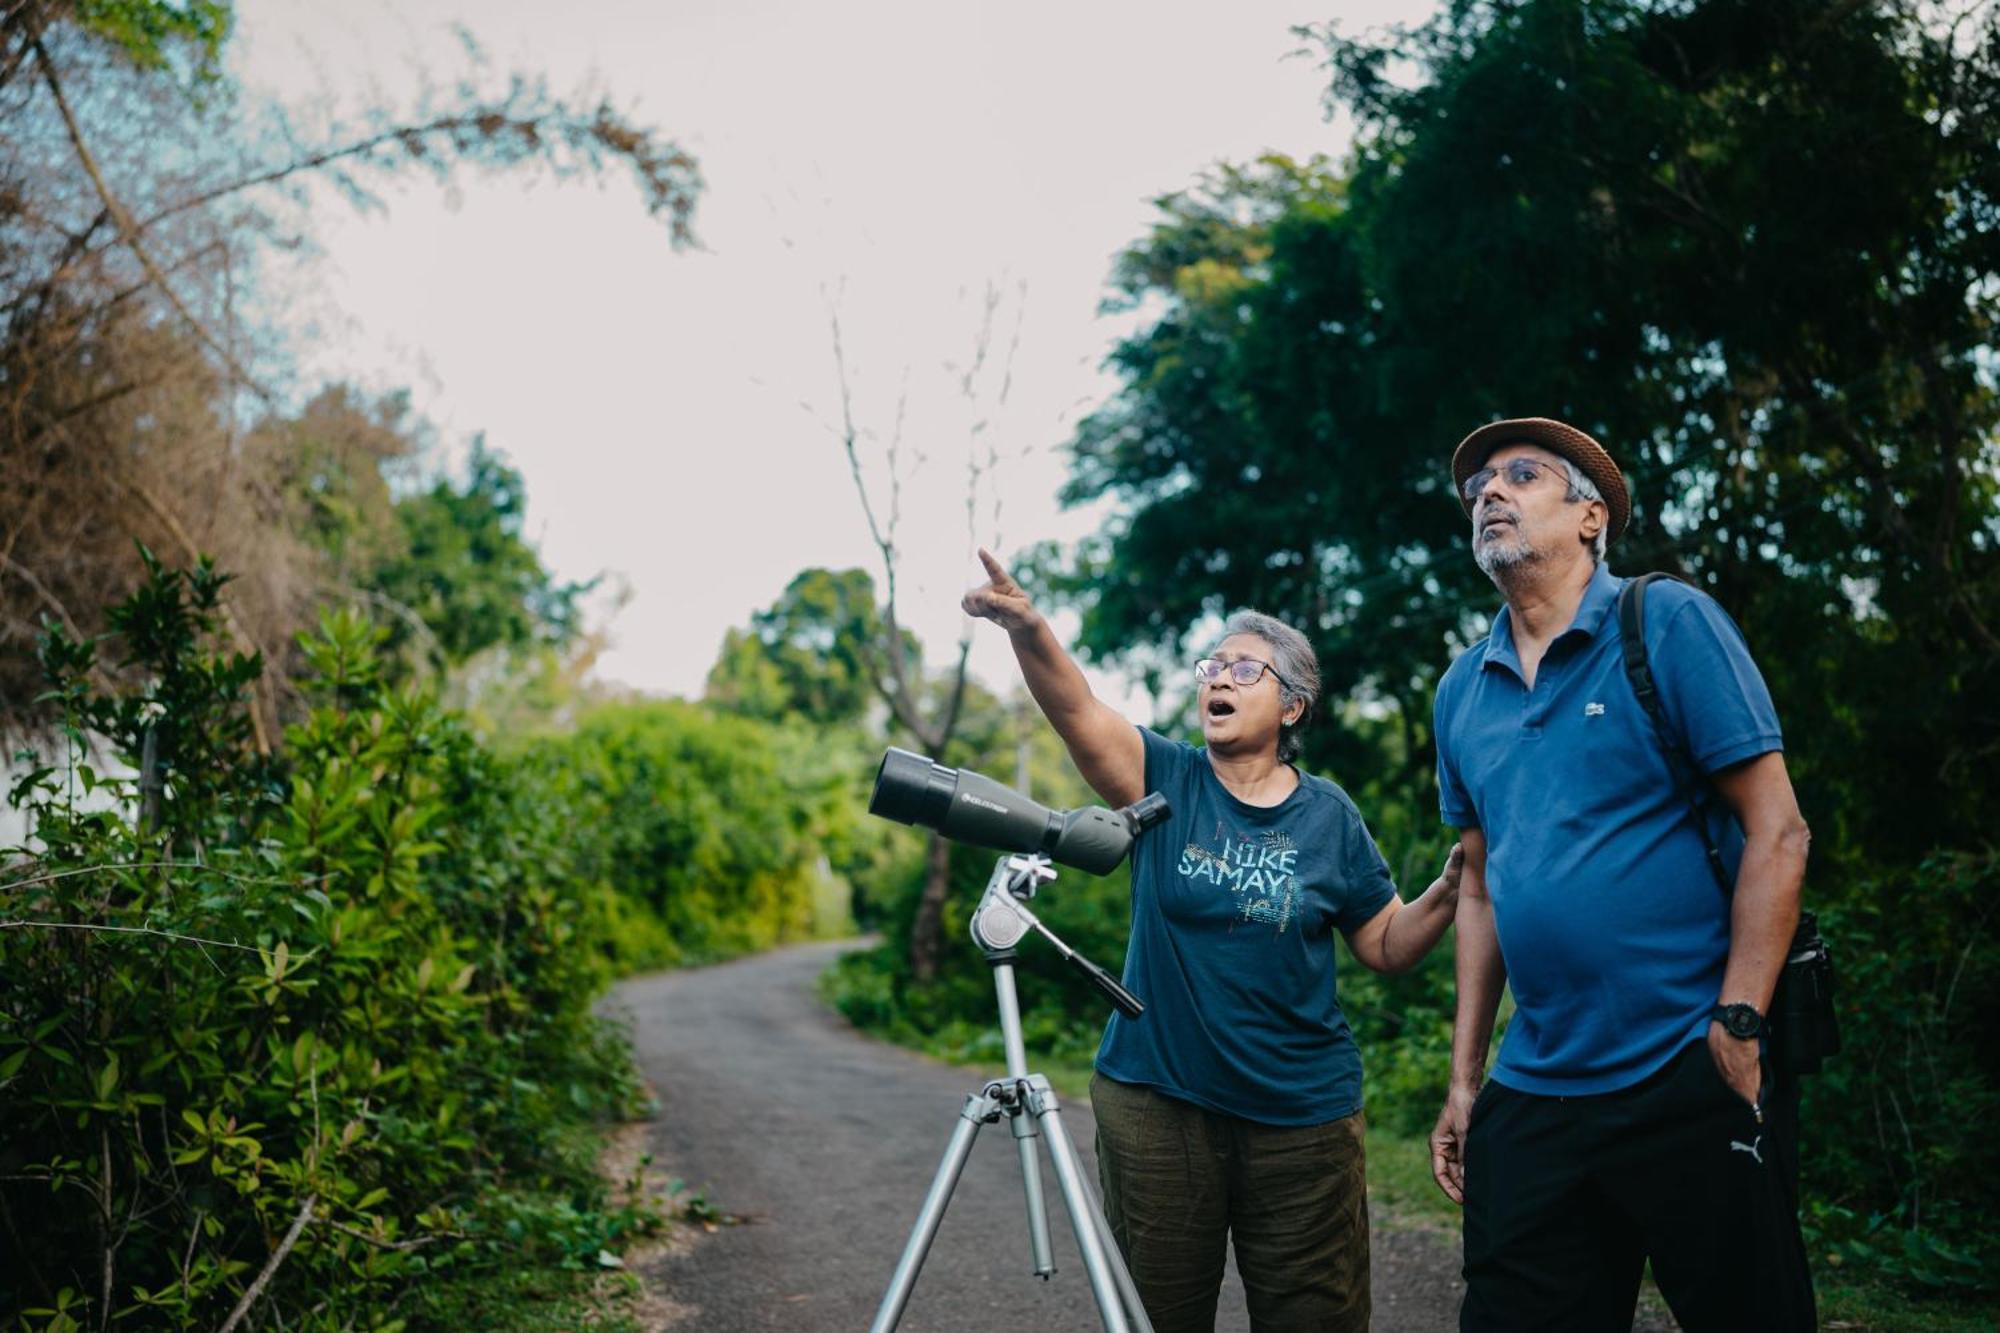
(1245, 671)
(1518, 471)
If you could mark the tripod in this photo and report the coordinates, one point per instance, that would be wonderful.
(1026, 1101)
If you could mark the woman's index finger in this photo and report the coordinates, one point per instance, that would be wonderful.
(994, 569)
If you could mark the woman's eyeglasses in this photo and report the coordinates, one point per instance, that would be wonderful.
(1245, 671)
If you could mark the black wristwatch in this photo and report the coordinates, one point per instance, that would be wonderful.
(1741, 1021)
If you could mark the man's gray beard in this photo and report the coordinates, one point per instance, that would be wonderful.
(1499, 560)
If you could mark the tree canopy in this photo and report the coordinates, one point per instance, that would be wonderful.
(1754, 247)
(1774, 302)
(811, 654)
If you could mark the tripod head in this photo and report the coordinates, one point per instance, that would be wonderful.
(1002, 920)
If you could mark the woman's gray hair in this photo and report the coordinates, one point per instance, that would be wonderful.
(1582, 490)
(1297, 665)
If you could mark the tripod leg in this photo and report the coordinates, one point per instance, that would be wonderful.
(1025, 1131)
(1109, 1279)
(1025, 1135)
(950, 1167)
(1119, 1272)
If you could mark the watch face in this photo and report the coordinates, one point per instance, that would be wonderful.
(1742, 1020)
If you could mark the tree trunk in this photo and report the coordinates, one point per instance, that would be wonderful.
(926, 932)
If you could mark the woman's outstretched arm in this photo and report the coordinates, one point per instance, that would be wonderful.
(1105, 747)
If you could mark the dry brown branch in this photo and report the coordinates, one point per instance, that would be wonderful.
(41, 590)
(128, 229)
(106, 1249)
(896, 679)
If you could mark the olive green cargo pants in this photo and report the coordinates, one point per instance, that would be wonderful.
(1180, 1182)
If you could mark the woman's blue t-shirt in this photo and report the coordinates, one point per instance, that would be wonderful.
(1234, 909)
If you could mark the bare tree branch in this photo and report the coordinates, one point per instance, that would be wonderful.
(127, 930)
(128, 230)
(242, 1309)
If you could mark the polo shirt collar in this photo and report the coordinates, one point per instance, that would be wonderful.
(1598, 599)
(1599, 595)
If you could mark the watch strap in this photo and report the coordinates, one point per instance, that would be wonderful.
(1736, 1017)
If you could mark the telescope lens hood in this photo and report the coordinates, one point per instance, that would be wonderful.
(910, 789)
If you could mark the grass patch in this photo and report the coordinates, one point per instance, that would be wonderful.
(526, 1300)
(1399, 1180)
(1882, 1309)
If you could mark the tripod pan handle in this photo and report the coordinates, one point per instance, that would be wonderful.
(1128, 1003)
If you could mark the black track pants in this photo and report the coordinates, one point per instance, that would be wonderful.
(1567, 1197)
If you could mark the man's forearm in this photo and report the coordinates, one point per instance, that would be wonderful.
(1763, 914)
(1482, 974)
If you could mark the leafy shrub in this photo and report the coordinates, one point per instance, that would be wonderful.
(723, 829)
(1899, 1167)
(320, 1021)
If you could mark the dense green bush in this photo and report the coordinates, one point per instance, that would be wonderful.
(318, 1021)
(730, 833)
(1898, 1155)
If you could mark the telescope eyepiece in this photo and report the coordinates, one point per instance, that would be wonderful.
(1148, 810)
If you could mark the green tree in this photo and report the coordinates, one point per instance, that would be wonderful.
(332, 463)
(446, 565)
(281, 1033)
(1256, 460)
(809, 655)
(1755, 247)
(467, 572)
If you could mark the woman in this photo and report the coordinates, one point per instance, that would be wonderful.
(1233, 1107)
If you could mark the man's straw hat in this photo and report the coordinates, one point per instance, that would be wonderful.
(1558, 438)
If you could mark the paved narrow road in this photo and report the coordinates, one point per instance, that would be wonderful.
(827, 1140)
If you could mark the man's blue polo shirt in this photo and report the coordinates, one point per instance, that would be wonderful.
(1613, 929)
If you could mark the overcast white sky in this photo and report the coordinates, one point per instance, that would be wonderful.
(671, 411)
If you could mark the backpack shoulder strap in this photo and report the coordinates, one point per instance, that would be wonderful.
(1639, 671)
(1632, 633)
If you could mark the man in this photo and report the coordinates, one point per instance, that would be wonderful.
(1631, 1114)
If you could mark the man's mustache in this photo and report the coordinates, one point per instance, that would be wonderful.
(1488, 517)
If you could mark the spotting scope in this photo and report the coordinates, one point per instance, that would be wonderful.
(980, 812)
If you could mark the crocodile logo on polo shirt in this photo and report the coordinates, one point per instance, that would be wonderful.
(1593, 710)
